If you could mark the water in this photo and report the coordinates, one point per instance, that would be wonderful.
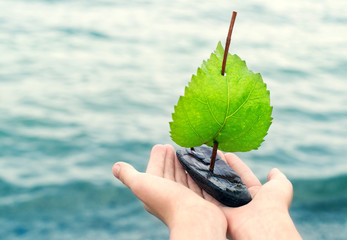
(84, 84)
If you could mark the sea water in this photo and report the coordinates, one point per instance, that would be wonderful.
(84, 84)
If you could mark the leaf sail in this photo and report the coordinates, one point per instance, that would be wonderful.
(233, 110)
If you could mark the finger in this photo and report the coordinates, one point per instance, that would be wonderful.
(169, 170)
(275, 173)
(155, 192)
(125, 173)
(243, 170)
(221, 154)
(284, 186)
(145, 186)
(156, 163)
(193, 186)
(180, 173)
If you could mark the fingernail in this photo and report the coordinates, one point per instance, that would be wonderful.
(116, 170)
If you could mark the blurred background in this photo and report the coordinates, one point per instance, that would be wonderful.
(84, 84)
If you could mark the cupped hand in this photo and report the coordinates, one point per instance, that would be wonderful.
(170, 194)
(190, 213)
(267, 215)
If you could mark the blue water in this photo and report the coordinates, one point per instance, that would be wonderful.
(84, 84)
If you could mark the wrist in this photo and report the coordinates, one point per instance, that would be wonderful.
(274, 224)
(198, 223)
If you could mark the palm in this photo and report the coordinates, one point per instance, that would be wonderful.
(164, 163)
(274, 194)
(168, 192)
(173, 186)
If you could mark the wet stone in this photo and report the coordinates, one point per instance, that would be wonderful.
(224, 184)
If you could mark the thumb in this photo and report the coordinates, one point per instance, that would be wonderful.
(144, 186)
(125, 173)
(275, 173)
(153, 191)
(280, 182)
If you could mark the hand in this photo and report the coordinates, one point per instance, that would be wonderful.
(170, 194)
(266, 216)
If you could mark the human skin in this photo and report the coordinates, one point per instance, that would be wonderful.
(170, 195)
(267, 215)
(190, 213)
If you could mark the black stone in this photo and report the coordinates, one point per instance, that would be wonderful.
(224, 184)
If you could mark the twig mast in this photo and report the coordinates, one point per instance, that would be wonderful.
(227, 43)
(226, 50)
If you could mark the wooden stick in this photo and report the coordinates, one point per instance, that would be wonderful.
(227, 44)
(213, 156)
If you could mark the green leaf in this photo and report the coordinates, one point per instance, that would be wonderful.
(233, 110)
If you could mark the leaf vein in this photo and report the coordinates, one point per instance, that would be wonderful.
(245, 132)
(227, 112)
(225, 120)
(190, 124)
(210, 110)
(197, 99)
(238, 109)
(214, 117)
